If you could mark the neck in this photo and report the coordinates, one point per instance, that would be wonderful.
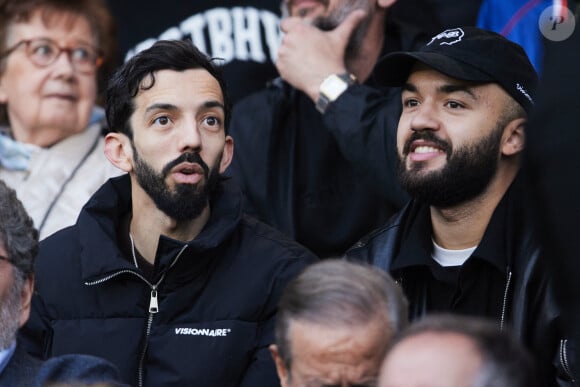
(369, 52)
(149, 223)
(42, 137)
(463, 226)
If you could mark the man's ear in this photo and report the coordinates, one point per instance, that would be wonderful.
(514, 137)
(25, 299)
(227, 154)
(119, 151)
(280, 366)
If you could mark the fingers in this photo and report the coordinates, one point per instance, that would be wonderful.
(345, 29)
(289, 23)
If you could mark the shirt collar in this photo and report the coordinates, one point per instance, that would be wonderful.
(417, 245)
(6, 355)
(15, 155)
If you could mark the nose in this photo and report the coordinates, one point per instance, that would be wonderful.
(425, 117)
(63, 65)
(189, 138)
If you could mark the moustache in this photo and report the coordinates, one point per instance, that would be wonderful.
(190, 157)
(426, 136)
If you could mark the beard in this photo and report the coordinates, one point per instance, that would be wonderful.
(185, 201)
(10, 312)
(337, 16)
(467, 173)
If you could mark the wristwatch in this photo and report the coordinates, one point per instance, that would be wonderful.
(331, 88)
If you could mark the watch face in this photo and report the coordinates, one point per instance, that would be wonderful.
(333, 87)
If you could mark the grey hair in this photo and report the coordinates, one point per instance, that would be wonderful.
(506, 363)
(17, 232)
(338, 293)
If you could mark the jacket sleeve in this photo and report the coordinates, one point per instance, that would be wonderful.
(255, 125)
(35, 335)
(364, 122)
(262, 371)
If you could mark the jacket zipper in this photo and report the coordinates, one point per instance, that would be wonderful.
(505, 296)
(153, 305)
(564, 359)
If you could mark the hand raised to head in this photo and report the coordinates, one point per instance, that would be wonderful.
(308, 55)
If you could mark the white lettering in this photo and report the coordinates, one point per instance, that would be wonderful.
(193, 26)
(202, 332)
(171, 34)
(242, 33)
(247, 34)
(272, 31)
(219, 25)
(524, 92)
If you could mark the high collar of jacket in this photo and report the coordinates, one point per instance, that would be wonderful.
(103, 214)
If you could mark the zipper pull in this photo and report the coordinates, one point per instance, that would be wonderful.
(153, 307)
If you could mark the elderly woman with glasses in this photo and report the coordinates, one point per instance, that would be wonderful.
(51, 147)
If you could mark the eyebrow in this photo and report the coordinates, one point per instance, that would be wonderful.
(445, 89)
(160, 106)
(168, 106)
(213, 103)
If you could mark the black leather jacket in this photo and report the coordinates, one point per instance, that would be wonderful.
(529, 309)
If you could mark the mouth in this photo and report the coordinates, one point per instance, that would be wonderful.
(421, 150)
(188, 173)
(63, 96)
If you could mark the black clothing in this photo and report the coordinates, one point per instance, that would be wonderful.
(511, 257)
(23, 370)
(477, 287)
(300, 170)
(244, 34)
(552, 164)
(217, 296)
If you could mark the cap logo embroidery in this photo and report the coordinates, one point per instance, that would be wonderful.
(524, 92)
(448, 37)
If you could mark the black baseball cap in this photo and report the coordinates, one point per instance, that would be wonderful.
(469, 54)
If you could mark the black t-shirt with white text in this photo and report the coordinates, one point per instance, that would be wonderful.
(244, 34)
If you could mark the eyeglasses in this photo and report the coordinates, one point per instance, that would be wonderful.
(43, 52)
(3, 258)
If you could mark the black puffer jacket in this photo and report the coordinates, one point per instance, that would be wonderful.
(529, 308)
(217, 296)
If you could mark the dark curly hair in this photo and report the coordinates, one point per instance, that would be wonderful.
(138, 73)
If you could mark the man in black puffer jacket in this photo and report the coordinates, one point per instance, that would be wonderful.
(162, 274)
(464, 244)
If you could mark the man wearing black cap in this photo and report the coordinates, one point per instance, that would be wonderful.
(463, 243)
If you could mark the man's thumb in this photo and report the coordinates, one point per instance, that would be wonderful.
(345, 29)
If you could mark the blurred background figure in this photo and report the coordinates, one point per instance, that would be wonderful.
(447, 350)
(335, 322)
(51, 148)
(18, 249)
(244, 34)
(303, 143)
